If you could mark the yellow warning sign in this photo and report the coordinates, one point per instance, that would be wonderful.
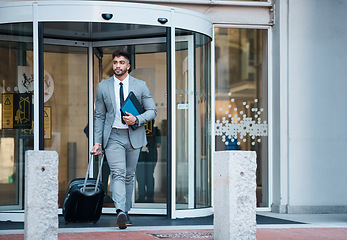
(8, 101)
(7, 111)
(23, 112)
(47, 119)
(16, 110)
(149, 128)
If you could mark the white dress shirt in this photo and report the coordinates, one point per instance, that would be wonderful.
(118, 121)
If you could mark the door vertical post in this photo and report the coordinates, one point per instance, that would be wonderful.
(191, 121)
(90, 101)
(36, 74)
(169, 123)
(172, 126)
(41, 87)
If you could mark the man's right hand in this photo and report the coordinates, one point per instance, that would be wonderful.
(97, 149)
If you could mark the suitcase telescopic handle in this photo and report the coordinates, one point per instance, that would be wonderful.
(99, 172)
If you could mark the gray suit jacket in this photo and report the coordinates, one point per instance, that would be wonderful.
(105, 107)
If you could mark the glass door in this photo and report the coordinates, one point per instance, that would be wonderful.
(148, 63)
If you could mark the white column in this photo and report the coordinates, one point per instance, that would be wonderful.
(41, 195)
(234, 187)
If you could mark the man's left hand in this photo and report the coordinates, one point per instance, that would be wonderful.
(130, 119)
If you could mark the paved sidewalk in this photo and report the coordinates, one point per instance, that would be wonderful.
(304, 226)
(199, 234)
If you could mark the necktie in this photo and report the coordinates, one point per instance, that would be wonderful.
(121, 98)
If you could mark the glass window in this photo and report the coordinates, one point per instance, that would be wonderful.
(241, 97)
(16, 118)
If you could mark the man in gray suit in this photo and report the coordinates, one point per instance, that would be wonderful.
(112, 131)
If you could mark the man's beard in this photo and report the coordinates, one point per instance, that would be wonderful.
(120, 74)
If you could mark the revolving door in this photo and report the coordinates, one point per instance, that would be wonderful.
(63, 57)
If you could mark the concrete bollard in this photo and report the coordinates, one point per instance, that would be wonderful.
(41, 195)
(234, 185)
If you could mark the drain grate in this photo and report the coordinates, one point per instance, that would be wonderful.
(184, 235)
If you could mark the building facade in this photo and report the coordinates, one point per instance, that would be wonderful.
(286, 57)
(225, 75)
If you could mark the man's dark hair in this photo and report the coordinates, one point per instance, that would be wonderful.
(121, 52)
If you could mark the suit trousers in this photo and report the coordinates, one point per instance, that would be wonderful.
(122, 159)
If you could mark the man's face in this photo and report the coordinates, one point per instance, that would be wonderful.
(120, 66)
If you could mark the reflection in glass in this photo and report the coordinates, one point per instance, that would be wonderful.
(147, 163)
(68, 109)
(241, 97)
(16, 110)
(151, 172)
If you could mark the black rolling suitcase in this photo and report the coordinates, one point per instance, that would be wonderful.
(84, 198)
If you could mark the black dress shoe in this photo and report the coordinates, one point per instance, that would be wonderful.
(129, 222)
(121, 219)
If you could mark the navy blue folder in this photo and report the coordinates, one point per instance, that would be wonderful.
(133, 106)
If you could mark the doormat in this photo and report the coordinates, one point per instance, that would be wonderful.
(184, 235)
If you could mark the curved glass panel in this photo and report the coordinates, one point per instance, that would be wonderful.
(203, 122)
(16, 118)
(193, 120)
